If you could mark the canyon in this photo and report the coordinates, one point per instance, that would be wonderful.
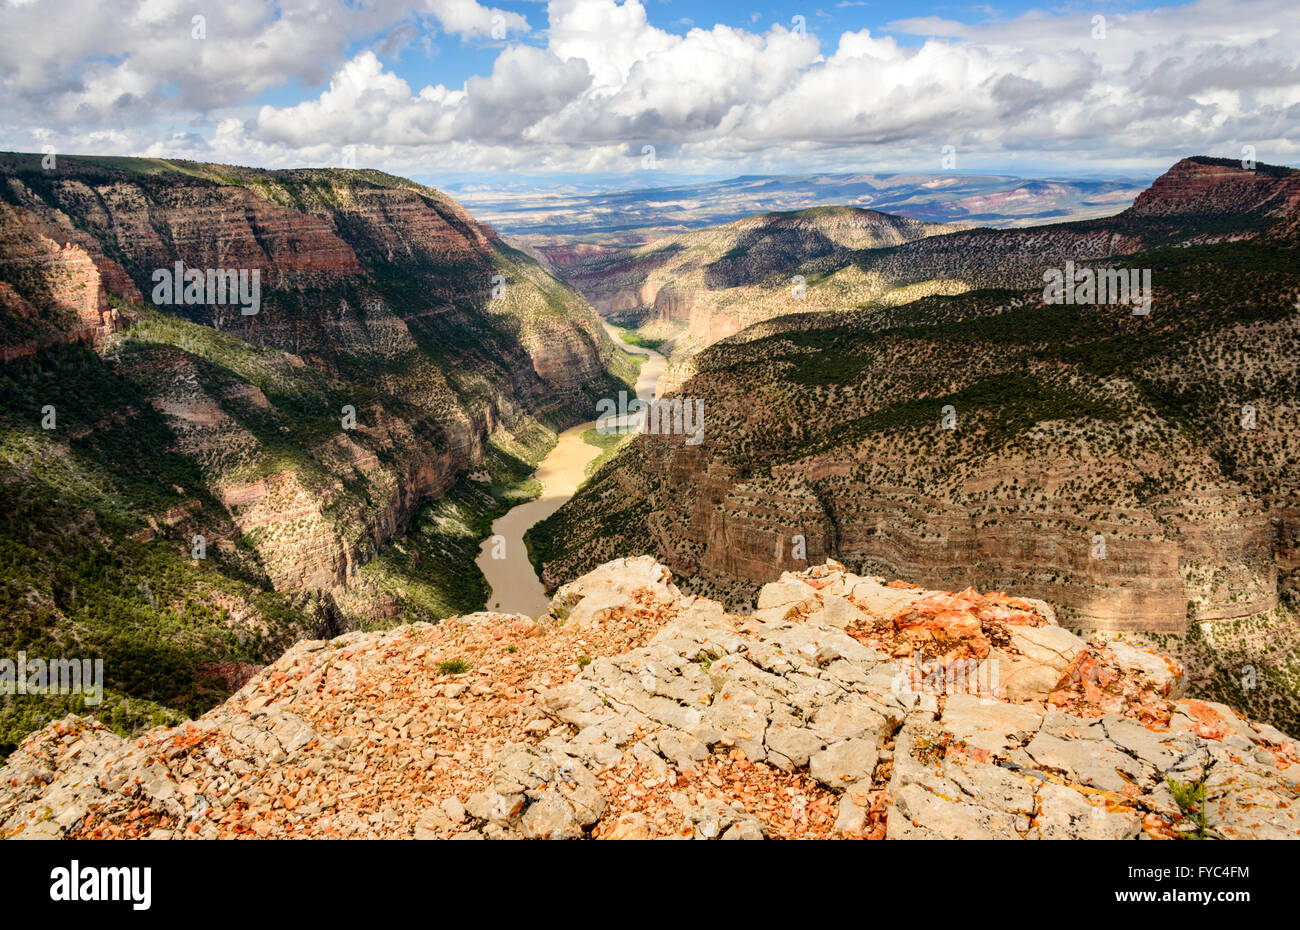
(192, 491)
(696, 288)
(702, 286)
(1095, 459)
(503, 557)
(399, 344)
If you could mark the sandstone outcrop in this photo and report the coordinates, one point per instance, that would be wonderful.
(1204, 187)
(842, 706)
(69, 279)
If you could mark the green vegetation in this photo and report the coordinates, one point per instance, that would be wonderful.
(999, 408)
(706, 657)
(636, 339)
(1190, 798)
(185, 409)
(87, 575)
(453, 667)
(1273, 171)
(429, 572)
(125, 716)
(1250, 663)
(607, 443)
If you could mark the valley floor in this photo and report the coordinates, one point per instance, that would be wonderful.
(504, 557)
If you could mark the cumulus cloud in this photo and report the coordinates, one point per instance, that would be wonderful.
(96, 63)
(601, 81)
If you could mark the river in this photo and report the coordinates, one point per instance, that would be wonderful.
(514, 585)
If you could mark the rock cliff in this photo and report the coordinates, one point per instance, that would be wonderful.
(383, 285)
(66, 275)
(703, 286)
(219, 481)
(841, 706)
(1139, 470)
(1210, 187)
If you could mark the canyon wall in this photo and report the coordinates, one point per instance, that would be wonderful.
(1139, 471)
(708, 284)
(377, 294)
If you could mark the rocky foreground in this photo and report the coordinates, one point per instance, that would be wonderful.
(843, 706)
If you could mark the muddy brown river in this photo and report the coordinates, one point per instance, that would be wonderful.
(514, 585)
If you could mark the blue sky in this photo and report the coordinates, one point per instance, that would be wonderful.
(575, 88)
(434, 57)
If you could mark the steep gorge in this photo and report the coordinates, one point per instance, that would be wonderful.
(1096, 458)
(697, 288)
(398, 345)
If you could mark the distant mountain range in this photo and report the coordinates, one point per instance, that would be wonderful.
(551, 218)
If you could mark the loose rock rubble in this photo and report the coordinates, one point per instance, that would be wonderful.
(842, 707)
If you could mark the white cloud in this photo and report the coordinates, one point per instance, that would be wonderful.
(95, 60)
(1204, 77)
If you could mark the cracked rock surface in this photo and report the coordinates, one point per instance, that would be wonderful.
(843, 706)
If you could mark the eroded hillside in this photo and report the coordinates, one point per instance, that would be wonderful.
(1138, 471)
(702, 286)
(699, 287)
(397, 346)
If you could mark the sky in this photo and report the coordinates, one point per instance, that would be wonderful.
(609, 89)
